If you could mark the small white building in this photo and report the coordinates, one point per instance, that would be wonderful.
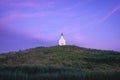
(62, 41)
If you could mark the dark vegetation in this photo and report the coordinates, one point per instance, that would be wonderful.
(60, 63)
(52, 73)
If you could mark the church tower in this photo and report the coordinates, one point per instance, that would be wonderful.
(62, 41)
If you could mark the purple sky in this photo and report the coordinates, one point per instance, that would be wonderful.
(86, 23)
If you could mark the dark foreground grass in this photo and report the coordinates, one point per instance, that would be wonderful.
(53, 73)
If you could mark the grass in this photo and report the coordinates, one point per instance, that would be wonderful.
(53, 73)
(60, 63)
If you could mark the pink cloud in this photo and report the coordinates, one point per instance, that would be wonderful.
(28, 3)
(109, 14)
(100, 18)
(76, 5)
(24, 4)
(12, 15)
(15, 15)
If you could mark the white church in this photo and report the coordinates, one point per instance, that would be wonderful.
(62, 41)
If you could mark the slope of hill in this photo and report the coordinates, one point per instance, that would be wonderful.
(69, 59)
(65, 56)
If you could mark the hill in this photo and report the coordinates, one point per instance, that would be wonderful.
(68, 59)
(65, 56)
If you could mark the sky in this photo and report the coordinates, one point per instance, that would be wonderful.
(27, 24)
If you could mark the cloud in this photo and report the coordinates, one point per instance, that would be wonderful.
(111, 12)
(24, 4)
(15, 15)
(99, 18)
(116, 8)
(14, 40)
(28, 3)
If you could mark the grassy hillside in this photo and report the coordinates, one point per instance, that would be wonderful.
(51, 63)
(65, 56)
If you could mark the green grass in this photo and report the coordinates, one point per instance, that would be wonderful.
(60, 63)
(53, 73)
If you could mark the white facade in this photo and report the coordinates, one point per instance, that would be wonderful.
(62, 41)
